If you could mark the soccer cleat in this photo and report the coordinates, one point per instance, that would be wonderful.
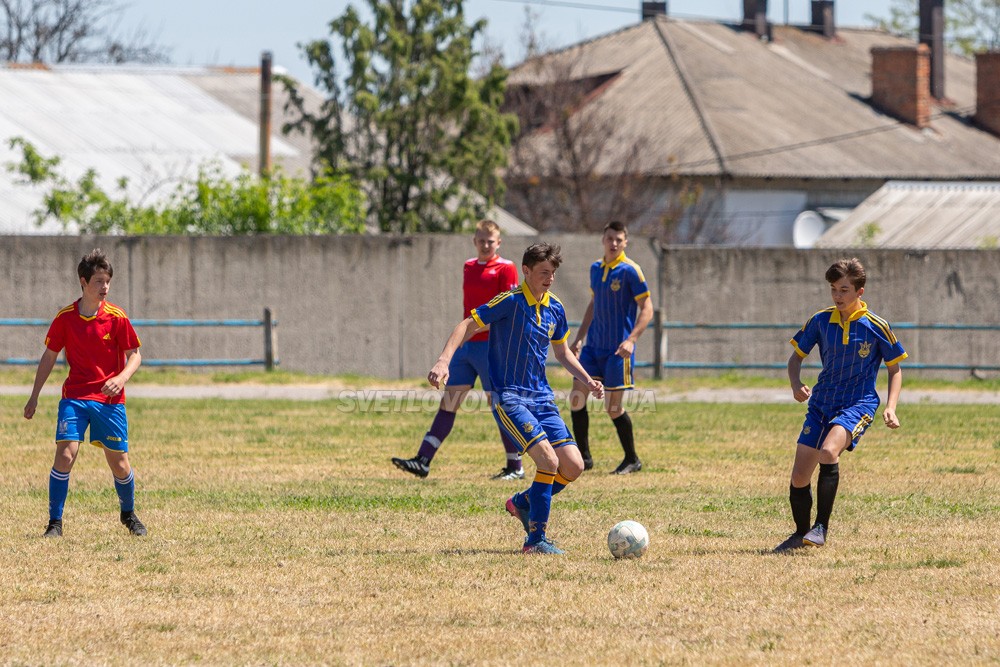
(518, 513)
(54, 529)
(794, 541)
(588, 463)
(544, 546)
(509, 473)
(415, 466)
(131, 521)
(815, 537)
(627, 467)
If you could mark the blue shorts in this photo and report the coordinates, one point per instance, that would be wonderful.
(527, 422)
(470, 361)
(855, 418)
(608, 367)
(107, 421)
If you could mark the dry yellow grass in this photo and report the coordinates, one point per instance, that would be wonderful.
(280, 534)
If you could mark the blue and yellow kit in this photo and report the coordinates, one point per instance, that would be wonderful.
(617, 287)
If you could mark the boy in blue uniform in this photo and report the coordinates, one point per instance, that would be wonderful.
(853, 343)
(523, 323)
(618, 313)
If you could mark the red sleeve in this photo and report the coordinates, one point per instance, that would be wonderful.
(55, 339)
(126, 337)
(508, 277)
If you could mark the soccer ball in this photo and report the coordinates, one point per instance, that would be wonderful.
(628, 539)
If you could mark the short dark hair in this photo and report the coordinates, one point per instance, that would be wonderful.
(851, 268)
(617, 226)
(542, 252)
(92, 262)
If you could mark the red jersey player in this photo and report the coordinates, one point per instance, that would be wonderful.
(484, 276)
(102, 350)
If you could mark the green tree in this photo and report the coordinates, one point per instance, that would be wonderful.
(210, 204)
(970, 25)
(407, 121)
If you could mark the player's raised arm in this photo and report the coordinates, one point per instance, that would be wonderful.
(466, 329)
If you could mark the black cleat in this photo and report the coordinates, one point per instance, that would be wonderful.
(418, 466)
(627, 467)
(509, 474)
(588, 463)
(54, 529)
(794, 541)
(131, 521)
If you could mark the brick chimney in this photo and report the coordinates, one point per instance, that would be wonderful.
(900, 84)
(932, 35)
(822, 18)
(755, 17)
(650, 10)
(988, 92)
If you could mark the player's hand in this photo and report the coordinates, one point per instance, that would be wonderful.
(802, 394)
(113, 386)
(890, 418)
(626, 349)
(29, 408)
(576, 347)
(596, 388)
(438, 377)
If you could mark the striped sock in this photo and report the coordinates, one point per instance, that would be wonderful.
(540, 503)
(440, 428)
(58, 490)
(513, 452)
(126, 491)
(559, 483)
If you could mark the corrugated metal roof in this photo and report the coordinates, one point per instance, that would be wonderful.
(152, 125)
(905, 214)
(793, 108)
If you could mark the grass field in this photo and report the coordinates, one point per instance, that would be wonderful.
(280, 534)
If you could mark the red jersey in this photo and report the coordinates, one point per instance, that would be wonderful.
(95, 348)
(483, 281)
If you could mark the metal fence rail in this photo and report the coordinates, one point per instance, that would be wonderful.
(267, 323)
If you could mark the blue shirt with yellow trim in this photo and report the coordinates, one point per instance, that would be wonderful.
(851, 351)
(617, 287)
(521, 329)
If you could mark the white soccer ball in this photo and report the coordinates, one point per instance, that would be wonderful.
(628, 539)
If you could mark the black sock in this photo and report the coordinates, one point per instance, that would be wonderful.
(826, 491)
(623, 424)
(581, 430)
(801, 501)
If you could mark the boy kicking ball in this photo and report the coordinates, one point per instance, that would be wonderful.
(853, 342)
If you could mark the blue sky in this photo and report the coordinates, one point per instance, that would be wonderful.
(235, 32)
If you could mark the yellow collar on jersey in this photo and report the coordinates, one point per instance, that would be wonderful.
(846, 325)
(532, 301)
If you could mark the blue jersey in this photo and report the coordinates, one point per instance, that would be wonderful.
(521, 329)
(851, 352)
(617, 286)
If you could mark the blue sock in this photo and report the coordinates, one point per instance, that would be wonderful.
(540, 502)
(559, 483)
(58, 489)
(126, 491)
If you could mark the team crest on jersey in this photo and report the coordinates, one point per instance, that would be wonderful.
(552, 329)
(616, 285)
(107, 336)
(527, 427)
(864, 350)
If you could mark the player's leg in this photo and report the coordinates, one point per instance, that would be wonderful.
(836, 441)
(814, 428)
(461, 376)
(71, 425)
(578, 406)
(617, 380)
(109, 429)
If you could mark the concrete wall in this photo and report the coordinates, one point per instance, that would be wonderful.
(382, 306)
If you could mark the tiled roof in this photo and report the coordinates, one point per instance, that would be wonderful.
(707, 98)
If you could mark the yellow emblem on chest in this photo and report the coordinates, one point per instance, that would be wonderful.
(864, 350)
(616, 285)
